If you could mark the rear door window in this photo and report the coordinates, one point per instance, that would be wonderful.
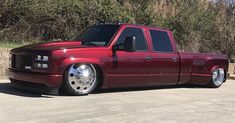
(161, 41)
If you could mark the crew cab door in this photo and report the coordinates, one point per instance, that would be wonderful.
(165, 60)
(129, 68)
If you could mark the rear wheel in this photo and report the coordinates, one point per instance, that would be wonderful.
(217, 78)
(80, 79)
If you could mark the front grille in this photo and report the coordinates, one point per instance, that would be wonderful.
(21, 61)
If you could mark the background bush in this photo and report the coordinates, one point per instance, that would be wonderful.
(198, 25)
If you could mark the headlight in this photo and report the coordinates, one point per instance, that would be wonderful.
(41, 61)
(41, 65)
(42, 58)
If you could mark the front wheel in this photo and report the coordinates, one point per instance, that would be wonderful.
(80, 79)
(217, 78)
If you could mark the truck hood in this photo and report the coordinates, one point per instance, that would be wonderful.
(50, 46)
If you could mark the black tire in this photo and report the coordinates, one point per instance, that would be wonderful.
(67, 86)
(217, 78)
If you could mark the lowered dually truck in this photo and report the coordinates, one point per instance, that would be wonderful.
(110, 56)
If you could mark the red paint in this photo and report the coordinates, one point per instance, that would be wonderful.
(62, 44)
(125, 68)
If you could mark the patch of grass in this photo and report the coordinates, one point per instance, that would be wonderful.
(10, 44)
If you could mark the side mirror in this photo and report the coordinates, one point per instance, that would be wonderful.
(130, 44)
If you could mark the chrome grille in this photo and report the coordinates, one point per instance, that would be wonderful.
(20, 61)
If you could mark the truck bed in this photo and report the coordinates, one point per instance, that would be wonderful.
(196, 67)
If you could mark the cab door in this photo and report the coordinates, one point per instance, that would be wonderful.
(130, 68)
(165, 60)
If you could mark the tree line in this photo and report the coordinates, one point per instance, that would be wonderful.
(198, 25)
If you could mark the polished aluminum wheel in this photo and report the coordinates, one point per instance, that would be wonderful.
(218, 76)
(82, 77)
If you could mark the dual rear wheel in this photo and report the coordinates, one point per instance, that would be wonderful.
(217, 78)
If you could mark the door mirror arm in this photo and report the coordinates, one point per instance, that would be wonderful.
(117, 47)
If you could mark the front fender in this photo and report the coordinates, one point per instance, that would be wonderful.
(69, 61)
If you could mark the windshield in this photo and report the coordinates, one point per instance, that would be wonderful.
(98, 35)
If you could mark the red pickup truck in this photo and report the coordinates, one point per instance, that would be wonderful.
(110, 56)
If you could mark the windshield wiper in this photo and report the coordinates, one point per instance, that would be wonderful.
(89, 43)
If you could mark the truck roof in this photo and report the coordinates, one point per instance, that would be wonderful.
(136, 25)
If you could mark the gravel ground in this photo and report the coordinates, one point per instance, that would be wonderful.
(175, 104)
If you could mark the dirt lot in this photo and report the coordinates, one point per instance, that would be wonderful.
(170, 104)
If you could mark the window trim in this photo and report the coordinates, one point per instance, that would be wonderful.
(147, 47)
(172, 52)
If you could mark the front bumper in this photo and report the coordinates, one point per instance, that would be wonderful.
(35, 81)
(32, 87)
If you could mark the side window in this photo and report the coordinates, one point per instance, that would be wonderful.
(161, 41)
(135, 32)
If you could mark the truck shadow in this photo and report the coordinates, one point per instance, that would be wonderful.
(6, 88)
(116, 90)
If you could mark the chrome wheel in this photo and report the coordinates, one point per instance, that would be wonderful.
(82, 78)
(218, 77)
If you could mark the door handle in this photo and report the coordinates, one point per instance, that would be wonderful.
(174, 59)
(148, 58)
